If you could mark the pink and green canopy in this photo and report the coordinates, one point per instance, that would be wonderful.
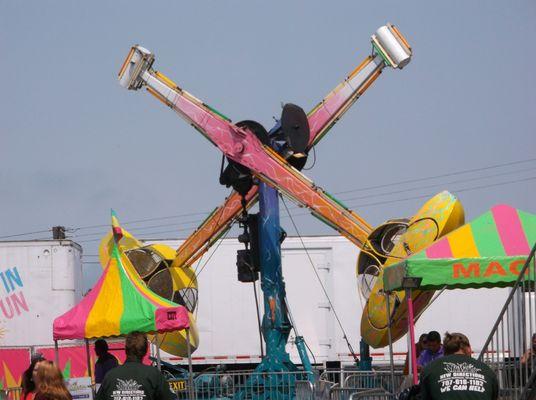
(487, 252)
(119, 303)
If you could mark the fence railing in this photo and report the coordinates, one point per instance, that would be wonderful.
(246, 385)
(364, 380)
(242, 385)
(11, 393)
(510, 349)
(372, 394)
(330, 385)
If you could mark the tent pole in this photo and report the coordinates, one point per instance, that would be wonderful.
(88, 357)
(190, 368)
(56, 353)
(411, 331)
(391, 361)
(158, 360)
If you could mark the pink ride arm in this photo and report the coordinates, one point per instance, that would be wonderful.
(321, 119)
(390, 49)
(242, 146)
(337, 102)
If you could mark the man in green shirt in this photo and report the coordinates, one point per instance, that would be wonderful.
(457, 375)
(134, 380)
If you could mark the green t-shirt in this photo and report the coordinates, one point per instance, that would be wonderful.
(458, 376)
(134, 381)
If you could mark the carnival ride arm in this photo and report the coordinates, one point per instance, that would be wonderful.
(241, 145)
(328, 111)
(321, 119)
(390, 49)
(212, 228)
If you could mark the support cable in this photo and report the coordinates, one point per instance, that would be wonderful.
(211, 254)
(25, 234)
(466, 171)
(345, 337)
(73, 230)
(314, 160)
(243, 202)
(294, 326)
(258, 318)
(208, 259)
(446, 183)
(431, 302)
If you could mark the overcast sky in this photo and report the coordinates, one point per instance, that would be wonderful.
(75, 144)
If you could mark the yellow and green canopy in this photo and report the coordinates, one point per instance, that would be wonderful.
(487, 252)
(120, 303)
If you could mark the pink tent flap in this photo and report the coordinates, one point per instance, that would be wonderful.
(170, 319)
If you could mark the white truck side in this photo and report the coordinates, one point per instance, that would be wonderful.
(39, 280)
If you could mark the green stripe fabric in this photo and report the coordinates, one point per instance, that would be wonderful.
(420, 255)
(135, 305)
(528, 222)
(486, 237)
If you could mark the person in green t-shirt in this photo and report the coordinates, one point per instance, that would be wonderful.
(457, 375)
(134, 380)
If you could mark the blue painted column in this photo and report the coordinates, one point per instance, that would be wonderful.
(275, 323)
(365, 360)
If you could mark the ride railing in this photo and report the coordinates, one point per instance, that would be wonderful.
(347, 380)
(509, 349)
(14, 393)
(330, 385)
(372, 394)
(244, 385)
(349, 394)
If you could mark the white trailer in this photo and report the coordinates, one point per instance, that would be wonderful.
(227, 318)
(39, 280)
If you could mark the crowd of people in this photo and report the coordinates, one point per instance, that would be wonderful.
(43, 380)
(133, 380)
(450, 372)
(446, 370)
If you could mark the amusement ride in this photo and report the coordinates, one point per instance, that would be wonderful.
(264, 164)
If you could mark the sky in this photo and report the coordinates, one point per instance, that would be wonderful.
(74, 144)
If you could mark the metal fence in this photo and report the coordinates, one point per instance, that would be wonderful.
(363, 380)
(11, 393)
(510, 349)
(330, 385)
(337, 393)
(246, 385)
(305, 390)
(373, 394)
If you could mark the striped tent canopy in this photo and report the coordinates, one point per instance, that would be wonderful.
(487, 252)
(119, 304)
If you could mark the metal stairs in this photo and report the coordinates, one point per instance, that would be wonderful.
(510, 349)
